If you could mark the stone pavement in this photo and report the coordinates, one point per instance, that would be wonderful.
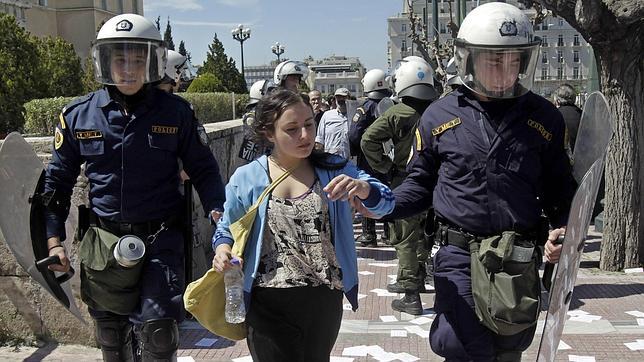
(604, 294)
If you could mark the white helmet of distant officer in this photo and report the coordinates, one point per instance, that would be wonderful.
(496, 51)
(174, 69)
(288, 74)
(413, 78)
(452, 79)
(128, 53)
(375, 84)
(256, 92)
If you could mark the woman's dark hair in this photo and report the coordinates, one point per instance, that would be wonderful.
(270, 108)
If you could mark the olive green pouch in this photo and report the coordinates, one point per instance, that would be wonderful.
(106, 285)
(506, 291)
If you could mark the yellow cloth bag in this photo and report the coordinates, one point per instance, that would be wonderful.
(205, 298)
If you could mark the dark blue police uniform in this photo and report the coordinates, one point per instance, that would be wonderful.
(495, 166)
(131, 161)
(364, 117)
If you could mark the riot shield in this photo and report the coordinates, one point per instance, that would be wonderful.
(383, 106)
(595, 132)
(352, 108)
(22, 220)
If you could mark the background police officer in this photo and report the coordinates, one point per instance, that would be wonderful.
(376, 88)
(289, 73)
(177, 68)
(495, 153)
(414, 86)
(130, 135)
(250, 149)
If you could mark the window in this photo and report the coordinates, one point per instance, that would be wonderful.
(104, 4)
(575, 40)
(575, 73)
(561, 22)
(560, 72)
(560, 57)
(135, 6)
(575, 56)
(443, 29)
(403, 46)
(120, 6)
(544, 73)
(544, 25)
(404, 28)
(544, 41)
(42, 2)
(331, 88)
(544, 57)
(560, 42)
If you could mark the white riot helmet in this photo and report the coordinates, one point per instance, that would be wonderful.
(496, 51)
(452, 78)
(287, 68)
(375, 84)
(256, 92)
(134, 45)
(174, 67)
(415, 79)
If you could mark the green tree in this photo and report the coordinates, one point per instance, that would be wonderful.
(60, 68)
(167, 36)
(206, 83)
(89, 81)
(158, 22)
(19, 76)
(218, 63)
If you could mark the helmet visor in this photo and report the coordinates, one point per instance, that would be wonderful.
(498, 72)
(189, 72)
(128, 62)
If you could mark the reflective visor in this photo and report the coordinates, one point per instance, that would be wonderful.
(498, 72)
(127, 62)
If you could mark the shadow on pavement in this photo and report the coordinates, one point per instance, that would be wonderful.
(42, 352)
(376, 254)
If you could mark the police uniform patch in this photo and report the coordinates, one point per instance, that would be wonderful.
(124, 25)
(359, 113)
(445, 126)
(58, 138)
(89, 134)
(419, 141)
(508, 28)
(165, 129)
(542, 130)
(62, 121)
(203, 136)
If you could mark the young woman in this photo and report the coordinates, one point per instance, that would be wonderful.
(301, 256)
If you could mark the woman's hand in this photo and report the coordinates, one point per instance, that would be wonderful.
(346, 188)
(223, 256)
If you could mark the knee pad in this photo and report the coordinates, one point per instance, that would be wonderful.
(114, 336)
(159, 339)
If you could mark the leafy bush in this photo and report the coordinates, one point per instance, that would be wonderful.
(41, 115)
(206, 83)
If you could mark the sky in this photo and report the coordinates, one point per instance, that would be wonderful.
(321, 28)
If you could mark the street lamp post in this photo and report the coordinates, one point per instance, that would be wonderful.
(241, 34)
(278, 49)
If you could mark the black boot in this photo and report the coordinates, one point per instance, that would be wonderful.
(409, 304)
(397, 288)
(368, 237)
(385, 238)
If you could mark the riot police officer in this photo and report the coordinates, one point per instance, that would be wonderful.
(130, 136)
(289, 73)
(490, 159)
(250, 149)
(414, 85)
(176, 69)
(376, 88)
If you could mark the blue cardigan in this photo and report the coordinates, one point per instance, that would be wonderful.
(248, 182)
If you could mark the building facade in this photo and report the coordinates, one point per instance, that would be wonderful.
(329, 74)
(76, 21)
(565, 55)
(254, 73)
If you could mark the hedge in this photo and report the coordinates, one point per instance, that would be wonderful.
(41, 115)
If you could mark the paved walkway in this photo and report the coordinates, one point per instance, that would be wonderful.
(607, 295)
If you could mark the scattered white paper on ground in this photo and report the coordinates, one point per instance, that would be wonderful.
(586, 318)
(635, 346)
(398, 333)
(360, 296)
(417, 331)
(384, 356)
(356, 351)
(429, 287)
(347, 306)
(406, 357)
(359, 258)
(563, 345)
(421, 320)
(383, 265)
(388, 318)
(206, 342)
(636, 313)
(575, 358)
(185, 359)
(428, 311)
(243, 359)
(640, 322)
(384, 293)
(341, 359)
(633, 270)
(574, 313)
(366, 272)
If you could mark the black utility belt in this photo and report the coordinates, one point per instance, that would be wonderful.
(141, 229)
(447, 235)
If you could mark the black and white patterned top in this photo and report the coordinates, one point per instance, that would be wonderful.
(297, 249)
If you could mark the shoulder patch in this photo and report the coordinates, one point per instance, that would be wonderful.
(445, 126)
(203, 136)
(62, 121)
(419, 141)
(58, 138)
(542, 130)
(88, 134)
(359, 113)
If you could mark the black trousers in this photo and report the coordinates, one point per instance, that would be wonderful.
(293, 324)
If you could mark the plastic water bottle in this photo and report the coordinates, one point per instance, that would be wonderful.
(234, 281)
